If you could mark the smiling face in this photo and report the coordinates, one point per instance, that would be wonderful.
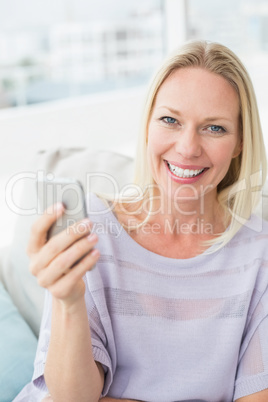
(193, 133)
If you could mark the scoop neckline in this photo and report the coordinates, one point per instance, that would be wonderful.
(158, 258)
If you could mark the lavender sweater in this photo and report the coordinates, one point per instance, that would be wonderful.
(166, 329)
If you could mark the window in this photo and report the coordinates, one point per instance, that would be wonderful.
(242, 25)
(65, 39)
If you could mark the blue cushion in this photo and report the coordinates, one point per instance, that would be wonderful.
(17, 349)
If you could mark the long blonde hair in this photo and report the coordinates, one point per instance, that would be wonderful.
(247, 172)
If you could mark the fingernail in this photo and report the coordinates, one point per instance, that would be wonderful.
(95, 252)
(54, 208)
(82, 227)
(58, 206)
(86, 222)
(92, 237)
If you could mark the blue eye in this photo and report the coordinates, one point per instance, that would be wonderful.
(216, 129)
(168, 120)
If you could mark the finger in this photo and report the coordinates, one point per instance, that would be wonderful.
(63, 240)
(63, 288)
(66, 260)
(38, 234)
(57, 244)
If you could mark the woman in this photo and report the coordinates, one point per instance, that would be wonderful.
(177, 306)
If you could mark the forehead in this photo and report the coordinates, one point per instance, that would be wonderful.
(199, 90)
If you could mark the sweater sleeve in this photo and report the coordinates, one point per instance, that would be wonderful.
(252, 372)
(101, 338)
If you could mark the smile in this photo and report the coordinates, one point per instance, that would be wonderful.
(184, 173)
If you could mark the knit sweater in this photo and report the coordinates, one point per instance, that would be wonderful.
(168, 329)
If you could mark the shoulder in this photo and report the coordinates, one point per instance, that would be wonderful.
(250, 243)
(96, 203)
(253, 229)
(126, 212)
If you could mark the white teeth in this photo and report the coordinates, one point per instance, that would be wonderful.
(184, 172)
(180, 172)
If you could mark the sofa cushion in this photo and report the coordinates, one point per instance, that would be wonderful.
(17, 349)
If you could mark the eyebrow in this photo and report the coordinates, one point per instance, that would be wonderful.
(177, 112)
(170, 109)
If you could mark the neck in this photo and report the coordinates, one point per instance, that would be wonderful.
(198, 217)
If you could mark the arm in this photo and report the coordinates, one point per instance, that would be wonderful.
(71, 373)
(261, 396)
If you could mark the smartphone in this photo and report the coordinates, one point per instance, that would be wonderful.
(67, 191)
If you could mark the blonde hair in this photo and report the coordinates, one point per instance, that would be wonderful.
(248, 170)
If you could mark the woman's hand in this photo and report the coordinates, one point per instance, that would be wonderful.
(60, 263)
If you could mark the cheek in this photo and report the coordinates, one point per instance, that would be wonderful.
(157, 144)
(222, 155)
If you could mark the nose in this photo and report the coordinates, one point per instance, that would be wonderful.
(188, 143)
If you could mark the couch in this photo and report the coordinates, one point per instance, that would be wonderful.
(21, 298)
